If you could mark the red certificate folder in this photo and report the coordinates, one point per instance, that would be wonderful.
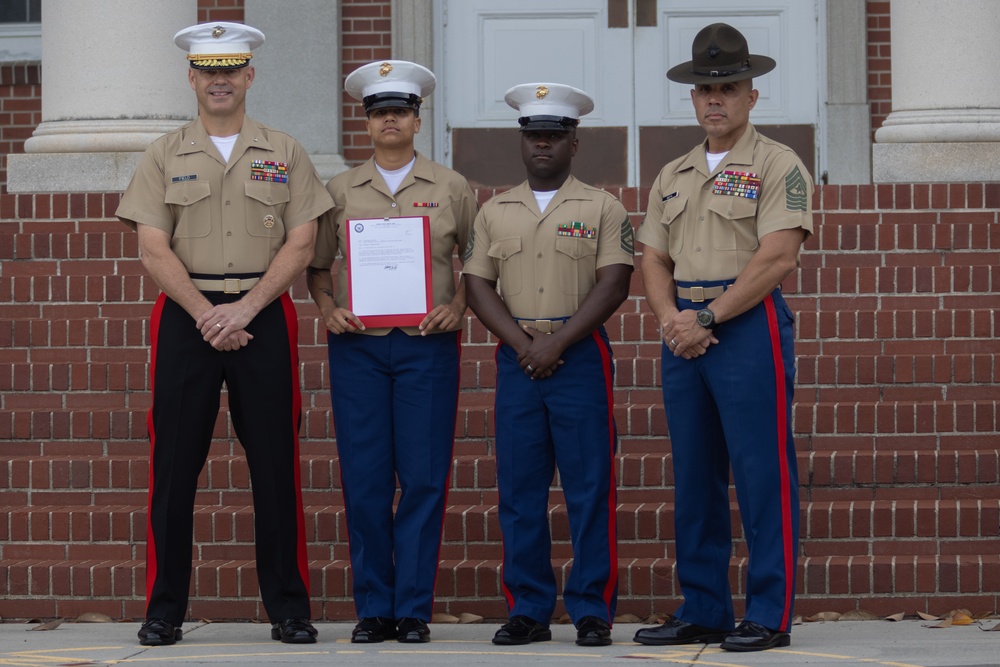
(389, 270)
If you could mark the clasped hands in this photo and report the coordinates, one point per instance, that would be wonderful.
(685, 337)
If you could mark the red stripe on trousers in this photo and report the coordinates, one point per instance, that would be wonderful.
(292, 324)
(154, 337)
(782, 425)
(609, 588)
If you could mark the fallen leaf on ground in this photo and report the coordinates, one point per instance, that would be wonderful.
(564, 619)
(896, 617)
(945, 623)
(928, 617)
(627, 618)
(93, 617)
(797, 620)
(824, 616)
(444, 618)
(469, 618)
(51, 625)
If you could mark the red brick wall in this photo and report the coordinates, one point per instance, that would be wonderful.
(879, 63)
(220, 10)
(896, 422)
(20, 109)
(366, 37)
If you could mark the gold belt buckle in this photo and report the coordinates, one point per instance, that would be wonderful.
(545, 326)
(231, 285)
(697, 293)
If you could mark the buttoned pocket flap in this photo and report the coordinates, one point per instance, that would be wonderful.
(187, 193)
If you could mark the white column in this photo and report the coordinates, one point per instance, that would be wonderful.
(112, 82)
(945, 122)
(298, 88)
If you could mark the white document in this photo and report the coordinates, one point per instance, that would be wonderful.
(389, 270)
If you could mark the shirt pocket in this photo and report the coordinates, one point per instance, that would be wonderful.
(189, 202)
(673, 214)
(507, 255)
(576, 264)
(734, 223)
(265, 207)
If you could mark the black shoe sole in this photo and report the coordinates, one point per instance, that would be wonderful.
(699, 639)
(594, 641)
(746, 648)
(413, 639)
(156, 640)
(541, 636)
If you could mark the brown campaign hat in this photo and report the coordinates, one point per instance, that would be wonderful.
(719, 54)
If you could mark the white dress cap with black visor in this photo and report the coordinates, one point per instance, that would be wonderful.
(390, 84)
(548, 106)
(219, 45)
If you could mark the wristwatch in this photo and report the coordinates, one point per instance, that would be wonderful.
(706, 318)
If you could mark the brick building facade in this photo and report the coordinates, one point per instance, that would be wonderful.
(896, 412)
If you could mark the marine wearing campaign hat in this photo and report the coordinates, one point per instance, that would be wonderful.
(548, 106)
(390, 83)
(720, 54)
(220, 45)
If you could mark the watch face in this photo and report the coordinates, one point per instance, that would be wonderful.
(706, 318)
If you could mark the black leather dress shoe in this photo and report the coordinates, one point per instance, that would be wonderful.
(675, 631)
(157, 632)
(294, 631)
(750, 636)
(413, 631)
(593, 631)
(374, 630)
(521, 630)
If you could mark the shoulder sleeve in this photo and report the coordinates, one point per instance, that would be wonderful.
(327, 239)
(465, 216)
(476, 256)
(615, 242)
(308, 199)
(651, 232)
(786, 195)
(144, 201)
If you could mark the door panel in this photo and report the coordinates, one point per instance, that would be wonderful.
(619, 52)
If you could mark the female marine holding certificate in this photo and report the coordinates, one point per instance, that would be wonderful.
(394, 386)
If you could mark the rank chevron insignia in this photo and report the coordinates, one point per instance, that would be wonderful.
(796, 192)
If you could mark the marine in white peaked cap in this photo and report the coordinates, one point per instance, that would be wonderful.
(548, 106)
(390, 83)
(220, 45)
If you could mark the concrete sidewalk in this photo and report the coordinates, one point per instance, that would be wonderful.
(841, 644)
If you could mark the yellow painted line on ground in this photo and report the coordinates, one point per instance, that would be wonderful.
(837, 656)
(512, 653)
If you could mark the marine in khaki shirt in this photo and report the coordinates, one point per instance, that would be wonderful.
(546, 263)
(723, 228)
(550, 262)
(225, 210)
(429, 189)
(394, 391)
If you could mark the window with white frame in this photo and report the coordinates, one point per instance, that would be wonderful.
(20, 30)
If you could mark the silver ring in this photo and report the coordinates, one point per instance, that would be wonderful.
(218, 325)
(530, 369)
(673, 342)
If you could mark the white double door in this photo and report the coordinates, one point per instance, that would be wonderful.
(619, 52)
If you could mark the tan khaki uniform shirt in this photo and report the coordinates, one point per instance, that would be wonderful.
(221, 220)
(712, 236)
(362, 193)
(546, 263)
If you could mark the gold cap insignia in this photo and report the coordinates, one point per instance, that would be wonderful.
(218, 32)
(384, 69)
(269, 221)
(541, 92)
